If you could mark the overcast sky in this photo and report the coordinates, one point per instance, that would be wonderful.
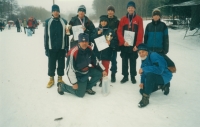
(65, 5)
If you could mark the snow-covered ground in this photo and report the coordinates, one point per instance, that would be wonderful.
(26, 102)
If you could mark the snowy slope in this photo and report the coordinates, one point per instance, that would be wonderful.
(26, 102)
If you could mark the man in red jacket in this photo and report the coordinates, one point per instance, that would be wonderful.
(133, 23)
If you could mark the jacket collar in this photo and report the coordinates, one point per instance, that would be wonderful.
(155, 22)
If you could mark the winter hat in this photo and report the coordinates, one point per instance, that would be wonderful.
(110, 7)
(156, 12)
(82, 8)
(103, 18)
(142, 46)
(55, 8)
(83, 37)
(131, 3)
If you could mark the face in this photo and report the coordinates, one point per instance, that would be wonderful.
(110, 13)
(103, 23)
(55, 14)
(143, 54)
(156, 17)
(131, 10)
(83, 45)
(81, 14)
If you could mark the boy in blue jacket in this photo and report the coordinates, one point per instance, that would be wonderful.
(154, 74)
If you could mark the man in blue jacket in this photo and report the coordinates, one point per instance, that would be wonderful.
(157, 39)
(56, 44)
(154, 74)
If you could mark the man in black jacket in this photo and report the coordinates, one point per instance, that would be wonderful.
(56, 44)
(113, 23)
(87, 25)
(79, 70)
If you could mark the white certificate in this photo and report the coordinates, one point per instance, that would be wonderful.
(129, 37)
(76, 31)
(101, 43)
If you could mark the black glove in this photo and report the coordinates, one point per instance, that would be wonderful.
(47, 53)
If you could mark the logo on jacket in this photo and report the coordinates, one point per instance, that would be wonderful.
(135, 22)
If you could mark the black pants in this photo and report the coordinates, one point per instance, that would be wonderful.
(131, 57)
(56, 56)
(18, 29)
(84, 85)
(25, 29)
(152, 81)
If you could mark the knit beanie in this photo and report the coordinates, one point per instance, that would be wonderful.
(55, 8)
(156, 12)
(110, 7)
(82, 8)
(103, 18)
(131, 3)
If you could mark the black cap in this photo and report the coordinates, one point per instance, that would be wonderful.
(55, 8)
(142, 46)
(103, 18)
(83, 37)
(131, 3)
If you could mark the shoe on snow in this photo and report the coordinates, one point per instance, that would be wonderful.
(59, 89)
(60, 79)
(113, 79)
(50, 83)
(133, 80)
(125, 79)
(144, 102)
(165, 88)
(90, 91)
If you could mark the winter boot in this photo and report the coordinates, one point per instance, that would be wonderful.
(113, 79)
(51, 82)
(90, 91)
(133, 79)
(59, 89)
(165, 88)
(145, 101)
(60, 79)
(125, 79)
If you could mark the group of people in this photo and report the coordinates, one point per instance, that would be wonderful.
(86, 65)
(31, 24)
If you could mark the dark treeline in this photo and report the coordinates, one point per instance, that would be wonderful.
(144, 8)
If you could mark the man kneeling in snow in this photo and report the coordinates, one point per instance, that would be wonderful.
(78, 69)
(154, 74)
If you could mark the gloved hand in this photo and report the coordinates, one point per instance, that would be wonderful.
(47, 53)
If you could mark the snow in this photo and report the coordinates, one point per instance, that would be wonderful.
(26, 102)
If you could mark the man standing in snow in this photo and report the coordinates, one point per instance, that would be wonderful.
(113, 23)
(78, 69)
(157, 39)
(17, 23)
(87, 25)
(24, 24)
(154, 74)
(55, 44)
(133, 23)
